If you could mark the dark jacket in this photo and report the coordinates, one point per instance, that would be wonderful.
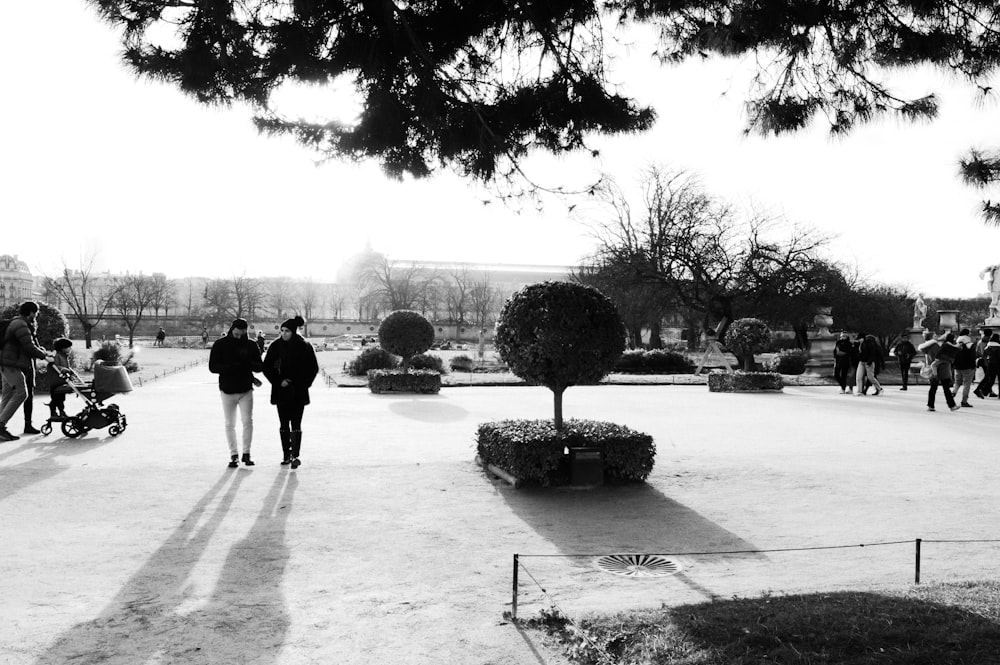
(19, 348)
(842, 350)
(905, 350)
(965, 359)
(294, 360)
(991, 352)
(235, 361)
(945, 359)
(870, 351)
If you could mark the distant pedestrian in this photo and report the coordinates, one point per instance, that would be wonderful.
(985, 336)
(965, 366)
(261, 341)
(161, 336)
(235, 358)
(904, 352)
(842, 366)
(869, 363)
(204, 337)
(991, 365)
(16, 358)
(290, 365)
(939, 354)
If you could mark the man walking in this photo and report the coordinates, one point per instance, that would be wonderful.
(16, 360)
(904, 352)
(235, 358)
(965, 367)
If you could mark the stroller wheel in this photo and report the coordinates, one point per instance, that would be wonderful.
(46, 429)
(114, 430)
(73, 428)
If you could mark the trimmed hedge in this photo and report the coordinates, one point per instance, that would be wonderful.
(428, 361)
(462, 363)
(789, 361)
(638, 361)
(405, 333)
(373, 357)
(533, 450)
(743, 382)
(397, 381)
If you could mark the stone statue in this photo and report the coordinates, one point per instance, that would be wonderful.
(994, 288)
(919, 312)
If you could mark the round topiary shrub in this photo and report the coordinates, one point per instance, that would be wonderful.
(789, 361)
(559, 334)
(406, 333)
(373, 357)
(462, 363)
(746, 337)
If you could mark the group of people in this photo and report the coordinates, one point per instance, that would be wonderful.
(857, 364)
(950, 363)
(289, 366)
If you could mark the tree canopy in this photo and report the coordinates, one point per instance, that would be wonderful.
(476, 86)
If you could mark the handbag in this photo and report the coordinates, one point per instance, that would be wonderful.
(928, 372)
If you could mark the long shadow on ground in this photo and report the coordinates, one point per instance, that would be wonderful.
(244, 620)
(618, 518)
(47, 462)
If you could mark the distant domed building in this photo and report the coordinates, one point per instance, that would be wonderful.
(16, 282)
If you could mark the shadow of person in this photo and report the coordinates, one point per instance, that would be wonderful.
(144, 621)
(46, 464)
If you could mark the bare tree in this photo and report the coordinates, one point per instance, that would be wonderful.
(703, 255)
(248, 294)
(280, 296)
(397, 286)
(132, 295)
(337, 300)
(309, 298)
(485, 301)
(163, 295)
(457, 294)
(87, 295)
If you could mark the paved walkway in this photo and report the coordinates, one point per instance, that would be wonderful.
(389, 545)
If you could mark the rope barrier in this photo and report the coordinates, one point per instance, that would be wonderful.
(917, 543)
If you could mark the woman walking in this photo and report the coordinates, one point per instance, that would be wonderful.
(290, 365)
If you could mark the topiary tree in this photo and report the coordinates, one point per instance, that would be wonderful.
(560, 334)
(51, 324)
(405, 333)
(746, 337)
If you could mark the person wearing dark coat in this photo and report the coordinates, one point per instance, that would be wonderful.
(235, 358)
(290, 365)
(842, 365)
(869, 365)
(991, 365)
(904, 352)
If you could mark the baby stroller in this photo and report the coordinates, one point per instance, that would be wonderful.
(108, 381)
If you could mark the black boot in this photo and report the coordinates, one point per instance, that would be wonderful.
(234, 461)
(246, 459)
(296, 435)
(286, 446)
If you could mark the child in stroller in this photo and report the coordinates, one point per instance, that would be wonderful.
(108, 381)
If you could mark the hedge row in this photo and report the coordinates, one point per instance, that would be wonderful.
(395, 381)
(739, 381)
(532, 450)
(655, 361)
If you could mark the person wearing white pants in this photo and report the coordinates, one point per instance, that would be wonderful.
(235, 358)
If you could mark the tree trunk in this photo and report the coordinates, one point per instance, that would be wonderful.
(654, 335)
(557, 400)
(87, 330)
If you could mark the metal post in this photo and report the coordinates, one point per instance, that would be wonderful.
(513, 602)
(916, 574)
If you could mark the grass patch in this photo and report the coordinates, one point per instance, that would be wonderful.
(927, 625)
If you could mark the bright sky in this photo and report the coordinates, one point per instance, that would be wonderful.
(94, 159)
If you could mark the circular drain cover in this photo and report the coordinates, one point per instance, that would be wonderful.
(637, 565)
